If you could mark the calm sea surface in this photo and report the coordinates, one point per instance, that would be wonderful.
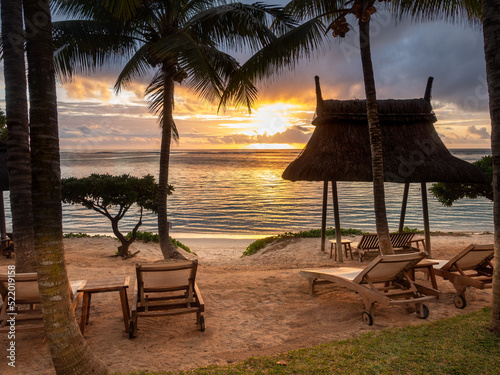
(241, 193)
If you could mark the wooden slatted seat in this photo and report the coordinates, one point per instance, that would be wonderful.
(369, 244)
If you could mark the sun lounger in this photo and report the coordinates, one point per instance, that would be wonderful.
(471, 267)
(385, 280)
(27, 301)
(369, 245)
(166, 289)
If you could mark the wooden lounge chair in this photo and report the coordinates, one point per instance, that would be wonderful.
(384, 280)
(369, 245)
(27, 301)
(471, 267)
(166, 289)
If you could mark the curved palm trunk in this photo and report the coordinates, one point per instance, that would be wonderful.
(491, 30)
(167, 248)
(375, 140)
(18, 153)
(70, 353)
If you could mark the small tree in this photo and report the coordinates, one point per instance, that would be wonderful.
(447, 193)
(112, 196)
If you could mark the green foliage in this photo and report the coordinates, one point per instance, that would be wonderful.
(313, 233)
(412, 230)
(447, 193)
(3, 127)
(153, 237)
(76, 235)
(112, 196)
(103, 191)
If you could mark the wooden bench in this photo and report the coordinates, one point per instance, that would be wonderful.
(369, 245)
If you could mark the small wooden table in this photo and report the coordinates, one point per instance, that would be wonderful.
(115, 284)
(427, 266)
(345, 243)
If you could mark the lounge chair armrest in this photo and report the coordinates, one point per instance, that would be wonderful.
(135, 296)
(198, 296)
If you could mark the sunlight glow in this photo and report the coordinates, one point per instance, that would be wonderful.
(269, 146)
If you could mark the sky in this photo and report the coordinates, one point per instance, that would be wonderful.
(404, 54)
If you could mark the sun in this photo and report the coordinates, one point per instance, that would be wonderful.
(270, 119)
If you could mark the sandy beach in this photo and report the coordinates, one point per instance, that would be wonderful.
(257, 305)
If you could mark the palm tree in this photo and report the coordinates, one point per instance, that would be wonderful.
(70, 352)
(491, 31)
(18, 159)
(182, 40)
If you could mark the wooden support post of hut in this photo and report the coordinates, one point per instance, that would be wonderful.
(339, 149)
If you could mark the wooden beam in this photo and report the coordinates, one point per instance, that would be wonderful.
(403, 207)
(425, 212)
(323, 216)
(338, 235)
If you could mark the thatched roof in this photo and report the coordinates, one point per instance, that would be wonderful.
(4, 178)
(339, 148)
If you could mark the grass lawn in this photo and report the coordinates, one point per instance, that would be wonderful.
(460, 345)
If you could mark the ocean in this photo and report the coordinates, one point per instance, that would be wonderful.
(240, 194)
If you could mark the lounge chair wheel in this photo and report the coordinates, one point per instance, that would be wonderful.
(202, 323)
(424, 313)
(367, 318)
(459, 301)
(131, 329)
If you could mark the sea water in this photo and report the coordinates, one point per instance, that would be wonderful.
(240, 193)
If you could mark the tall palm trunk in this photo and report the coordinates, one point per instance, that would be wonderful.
(167, 248)
(70, 353)
(18, 153)
(491, 30)
(375, 140)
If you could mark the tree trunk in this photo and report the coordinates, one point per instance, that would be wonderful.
(167, 248)
(375, 140)
(70, 353)
(18, 153)
(491, 30)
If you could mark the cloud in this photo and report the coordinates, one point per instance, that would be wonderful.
(481, 133)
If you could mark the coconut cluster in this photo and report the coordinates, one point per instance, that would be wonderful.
(340, 27)
(357, 10)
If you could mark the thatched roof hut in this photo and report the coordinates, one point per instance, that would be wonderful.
(339, 150)
(4, 177)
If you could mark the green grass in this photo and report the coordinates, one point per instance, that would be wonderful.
(459, 345)
(259, 244)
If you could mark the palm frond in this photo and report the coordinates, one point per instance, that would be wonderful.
(307, 9)
(154, 94)
(466, 12)
(138, 65)
(85, 46)
(123, 10)
(240, 26)
(181, 50)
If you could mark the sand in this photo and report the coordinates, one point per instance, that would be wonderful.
(256, 305)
